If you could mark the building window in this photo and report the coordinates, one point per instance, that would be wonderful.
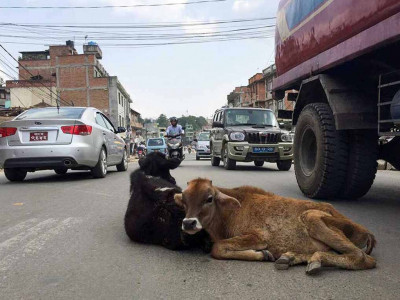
(119, 121)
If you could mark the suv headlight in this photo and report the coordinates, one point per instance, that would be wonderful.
(237, 136)
(287, 137)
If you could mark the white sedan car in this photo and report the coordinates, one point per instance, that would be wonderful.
(77, 138)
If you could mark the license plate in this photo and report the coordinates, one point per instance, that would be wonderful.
(263, 149)
(39, 136)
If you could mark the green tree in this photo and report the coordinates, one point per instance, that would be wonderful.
(163, 121)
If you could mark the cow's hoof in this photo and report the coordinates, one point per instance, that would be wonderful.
(268, 256)
(283, 263)
(313, 268)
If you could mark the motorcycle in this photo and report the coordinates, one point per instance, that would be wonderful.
(175, 147)
(141, 152)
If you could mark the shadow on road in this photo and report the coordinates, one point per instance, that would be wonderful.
(69, 177)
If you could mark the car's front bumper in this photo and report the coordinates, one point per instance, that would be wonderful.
(203, 153)
(48, 156)
(243, 151)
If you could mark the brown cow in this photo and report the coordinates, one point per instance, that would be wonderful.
(245, 221)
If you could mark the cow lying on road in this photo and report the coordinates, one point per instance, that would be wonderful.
(244, 222)
(152, 215)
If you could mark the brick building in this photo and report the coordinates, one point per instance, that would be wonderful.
(240, 96)
(259, 94)
(72, 78)
(135, 123)
(257, 90)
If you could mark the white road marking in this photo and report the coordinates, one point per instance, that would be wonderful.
(16, 240)
(17, 228)
(36, 244)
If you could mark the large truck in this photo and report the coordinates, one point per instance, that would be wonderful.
(343, 58)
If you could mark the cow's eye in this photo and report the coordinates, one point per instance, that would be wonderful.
(210, 199)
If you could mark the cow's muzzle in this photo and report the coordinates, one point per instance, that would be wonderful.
(191, 225)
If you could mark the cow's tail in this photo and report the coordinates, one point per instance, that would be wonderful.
(371, 243)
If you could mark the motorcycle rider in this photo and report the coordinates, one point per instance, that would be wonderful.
(175, 131)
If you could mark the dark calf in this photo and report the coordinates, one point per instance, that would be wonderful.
(152, 216)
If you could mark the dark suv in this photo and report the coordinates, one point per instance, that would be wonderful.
(249, 134)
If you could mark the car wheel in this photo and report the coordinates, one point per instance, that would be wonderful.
(284, 165)
(229, 164)
(123, 166)
(197, 157)
(15, 174)
(61, 171)
(100, 170)
(258, 163)
(215, 161)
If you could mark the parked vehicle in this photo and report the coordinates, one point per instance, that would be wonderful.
(175, 147)
(203, 146)
(61, 139)
(249, 135)
(157, 145)
(343, 58)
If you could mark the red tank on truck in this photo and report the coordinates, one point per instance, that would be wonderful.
(342, 56)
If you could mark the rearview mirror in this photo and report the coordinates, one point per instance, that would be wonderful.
(121, 129)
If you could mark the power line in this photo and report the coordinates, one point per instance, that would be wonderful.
(138, 25)
(113, 6)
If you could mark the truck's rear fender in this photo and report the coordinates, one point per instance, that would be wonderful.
(352, 107)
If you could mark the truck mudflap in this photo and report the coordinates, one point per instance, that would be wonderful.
(352, 108)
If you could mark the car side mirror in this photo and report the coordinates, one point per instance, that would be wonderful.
(218, 124)
(282, 126)
(121, 129)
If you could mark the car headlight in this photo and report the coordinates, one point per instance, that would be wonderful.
(237, 136)
(287, 137)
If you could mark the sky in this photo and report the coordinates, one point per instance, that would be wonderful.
(175, 80)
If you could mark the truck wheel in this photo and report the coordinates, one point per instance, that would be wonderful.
(284, 165)
(100, 170)
(258, 163)
(320, 153)
(229, 164)
(15, 174)
(215, 161)
(362, 165)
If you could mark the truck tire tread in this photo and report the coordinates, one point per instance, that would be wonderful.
(334, 154)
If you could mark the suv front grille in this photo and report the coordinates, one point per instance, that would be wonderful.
(263, 138)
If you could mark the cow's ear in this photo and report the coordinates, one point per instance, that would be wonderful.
(227, 202)
(178, 199)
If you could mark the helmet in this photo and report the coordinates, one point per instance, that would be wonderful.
(173, 119)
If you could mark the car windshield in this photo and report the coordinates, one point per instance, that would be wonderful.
(52, 113)
(253, 117)
(205, 136)
(155, 142)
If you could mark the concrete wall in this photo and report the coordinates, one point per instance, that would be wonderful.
(28, 97)
(113, 99)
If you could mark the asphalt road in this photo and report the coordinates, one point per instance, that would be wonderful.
(62, 237)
